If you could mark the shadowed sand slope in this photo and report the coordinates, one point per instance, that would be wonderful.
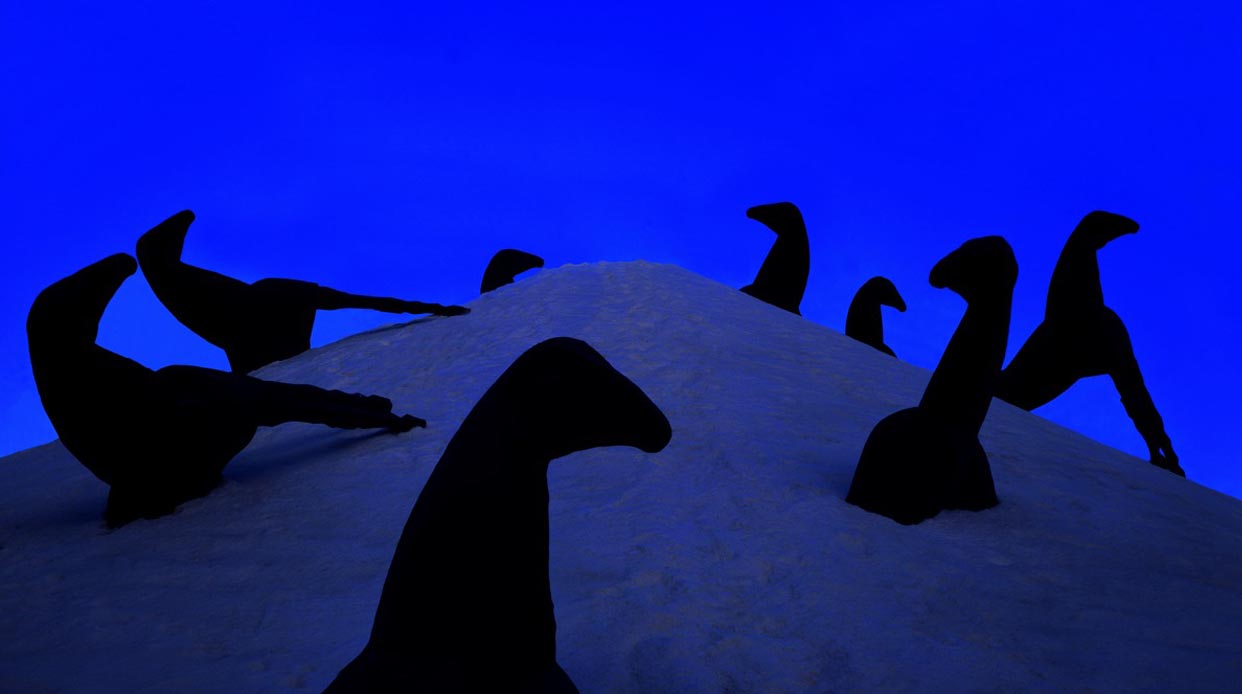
(728, 562)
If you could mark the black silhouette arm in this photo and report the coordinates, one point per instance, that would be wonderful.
(332, 299)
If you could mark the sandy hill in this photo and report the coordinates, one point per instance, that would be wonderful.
(729, 562)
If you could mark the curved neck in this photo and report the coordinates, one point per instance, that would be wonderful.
(960, 390)
(783, 275)
(475, 544)
(865, 320)
(1075, 284)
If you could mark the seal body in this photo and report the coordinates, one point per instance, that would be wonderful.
(467, 603)
(781, 280)
(922, 460)
(865, 321)
(1081, 337)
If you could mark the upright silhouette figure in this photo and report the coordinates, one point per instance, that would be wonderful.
(255, 324)
(159, 438)
(505, 265)
(924, 459)
(781, 280)
(865, 322)
(467, 605)
(1081, 337)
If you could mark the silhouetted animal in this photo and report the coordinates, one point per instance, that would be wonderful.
(467, 604)
(924, 459)
(1081, 337)
(255, 324)
(159, 438)
(505, 265)
(781, 280)
(865, 322)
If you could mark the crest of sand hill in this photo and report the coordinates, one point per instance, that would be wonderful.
(727, 562)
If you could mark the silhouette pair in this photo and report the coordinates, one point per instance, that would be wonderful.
(922, 460)
(159, 438)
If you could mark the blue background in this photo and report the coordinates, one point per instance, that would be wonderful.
(391, 149)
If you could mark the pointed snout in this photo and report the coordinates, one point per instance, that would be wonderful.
(942, 271)
(167, 236)
(885, 293)
(657, 432)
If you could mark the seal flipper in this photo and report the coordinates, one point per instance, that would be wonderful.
(467, 603)
(922, 460)
(781, 280)
(505, 265)
(865, 321)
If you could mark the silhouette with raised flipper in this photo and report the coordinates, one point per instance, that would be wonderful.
(256, 323)
(467, 603)
(1080, 337)
(922, 460)
(159, 438)
(781, 280)
(505, 265)
(865, 322)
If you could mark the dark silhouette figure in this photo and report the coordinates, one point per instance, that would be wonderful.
(505, 265)
(865, 322)
(467, 604)
(781, 280)
(159, 438)
(924, 459)
(1081, 337)
(255, 324)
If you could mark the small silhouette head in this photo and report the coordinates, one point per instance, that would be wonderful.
(575, 400)
(165, 240)
(67, 313)
(883, 292)
(1098, 228)
(977, 269)
(505, 265)
(777, 216)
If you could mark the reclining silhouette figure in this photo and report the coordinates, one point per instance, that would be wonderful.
(1081, 337)
(922, 460)
(159, 438)
(865, 321)
(255, 324)
(467, 603)
(505, 265)
(781, 280)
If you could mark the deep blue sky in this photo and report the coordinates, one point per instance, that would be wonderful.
(390, 149)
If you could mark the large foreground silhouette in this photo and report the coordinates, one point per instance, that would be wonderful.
(257, 323)
(159, 438)
(865, 321)
(1081, 337)
(781, 280)
(505, 265)
(922, 460)
(467, 604)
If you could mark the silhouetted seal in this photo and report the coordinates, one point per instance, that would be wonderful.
(505, 265)
(467, 605)
(1081, 337)
(781, 280)
(924, 459)
(865, 322)
(159, 438)
(255, 324)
